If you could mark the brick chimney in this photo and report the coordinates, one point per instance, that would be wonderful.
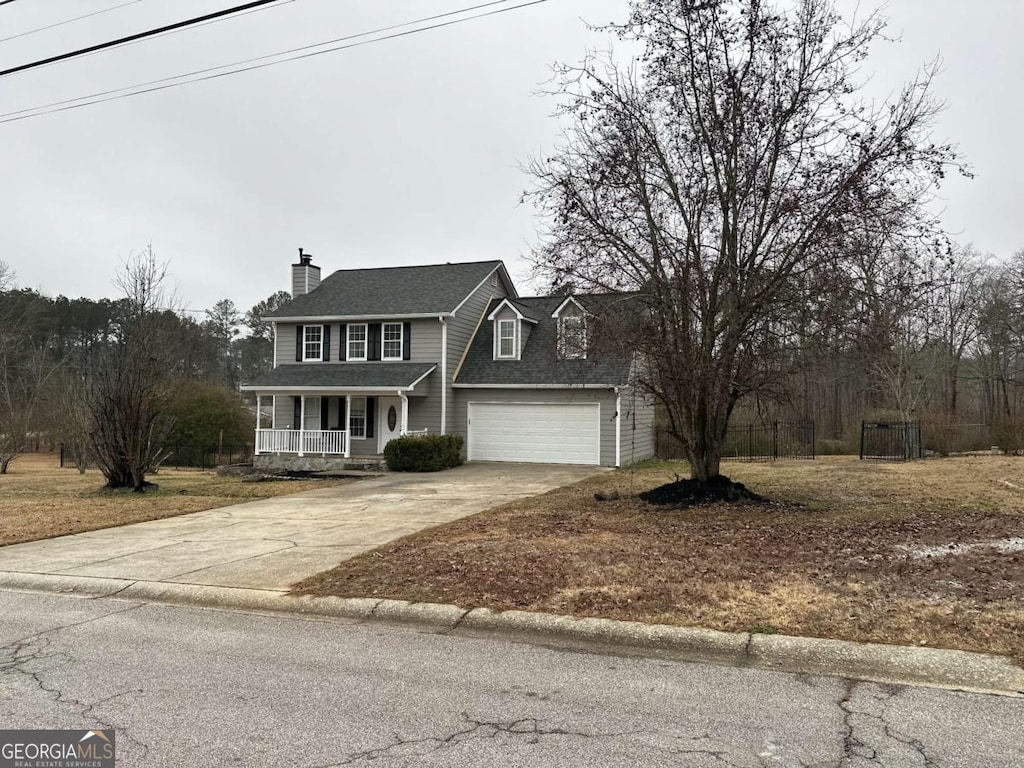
(305, 277)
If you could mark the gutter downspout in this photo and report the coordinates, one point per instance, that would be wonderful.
(618, 427)
(273, 399)
(444, 374)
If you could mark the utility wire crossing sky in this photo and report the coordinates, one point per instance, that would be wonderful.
(407, 149)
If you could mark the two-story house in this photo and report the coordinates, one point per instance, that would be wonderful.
(368, 355)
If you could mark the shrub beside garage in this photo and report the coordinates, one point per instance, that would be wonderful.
(423, 453)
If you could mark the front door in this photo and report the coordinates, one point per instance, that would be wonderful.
(389, 420)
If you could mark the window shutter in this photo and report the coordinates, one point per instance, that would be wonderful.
(299, 340)
(373, 342)
(327, 344)
(371, 411)
(342, 416)
(406, 341)
(343, 343)
(324, 408)
(297, 413)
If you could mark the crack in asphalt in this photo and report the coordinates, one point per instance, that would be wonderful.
(529, 728)
(33, 656)
(720, 755)
(867, 730)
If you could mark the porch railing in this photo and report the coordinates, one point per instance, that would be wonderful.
(331, 442)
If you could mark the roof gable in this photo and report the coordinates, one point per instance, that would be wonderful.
(569, 300)
(515, 306)
(539, 364)
(437, 289)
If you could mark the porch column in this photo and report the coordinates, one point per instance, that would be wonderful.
(302, 426)
(405, 413)
(259, 406)
(348, 426)
(273, 413)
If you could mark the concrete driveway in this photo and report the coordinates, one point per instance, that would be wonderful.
(272, 544)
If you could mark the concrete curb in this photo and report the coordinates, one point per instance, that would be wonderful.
(961, 670)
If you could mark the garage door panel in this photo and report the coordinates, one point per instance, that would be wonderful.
(550, 433)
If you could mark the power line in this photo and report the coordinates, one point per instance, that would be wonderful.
(220, 20)
(68, 21)
(255, 59)
(131, 38)
(165, 83)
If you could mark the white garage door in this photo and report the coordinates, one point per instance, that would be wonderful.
(543, 433)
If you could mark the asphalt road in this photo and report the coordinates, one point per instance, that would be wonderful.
(187, 687)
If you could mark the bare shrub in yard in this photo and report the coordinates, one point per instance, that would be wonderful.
(1009, 436)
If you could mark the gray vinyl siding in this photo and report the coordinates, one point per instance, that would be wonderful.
(637, 426)
(425, 412)
(304, 279)
(425, 342)
(286, 343)
(604, 397)
(283, 412)
(461, 328)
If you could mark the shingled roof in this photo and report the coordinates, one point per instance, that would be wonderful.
(540, 364)
(342, 376)
(435, 289)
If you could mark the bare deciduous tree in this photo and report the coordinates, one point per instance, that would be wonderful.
(732, 165)
(130, 382)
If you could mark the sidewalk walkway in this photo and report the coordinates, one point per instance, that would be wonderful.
(273, 543)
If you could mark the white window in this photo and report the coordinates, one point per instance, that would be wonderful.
(572, 337)
(312, 421)
(313, 343)
(357, 417)
(391, 344)
(506, 339)
(356, 342)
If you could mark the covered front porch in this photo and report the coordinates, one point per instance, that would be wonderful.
(338, 419)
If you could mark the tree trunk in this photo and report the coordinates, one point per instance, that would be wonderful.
(706, 466)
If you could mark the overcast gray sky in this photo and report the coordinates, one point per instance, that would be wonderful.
(402, 152)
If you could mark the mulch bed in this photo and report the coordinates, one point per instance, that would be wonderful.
(688, 493)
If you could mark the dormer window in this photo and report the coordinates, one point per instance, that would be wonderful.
(313, 343)
(505, 345)
(571, 317)
(509, 334)
(572, 337)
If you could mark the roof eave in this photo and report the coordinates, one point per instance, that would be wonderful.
(607, 385)
(337, 318)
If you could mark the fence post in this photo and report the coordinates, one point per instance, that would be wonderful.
(863, 426)
(775, 441)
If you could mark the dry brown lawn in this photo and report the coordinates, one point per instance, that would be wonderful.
(38, 500)
(833, 555)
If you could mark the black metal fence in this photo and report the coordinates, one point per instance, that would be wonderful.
(206, 456)
(890, 440)
(766, 441)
